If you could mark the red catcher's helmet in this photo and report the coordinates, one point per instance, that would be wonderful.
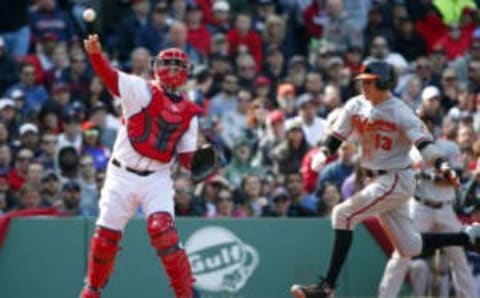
(166, 59)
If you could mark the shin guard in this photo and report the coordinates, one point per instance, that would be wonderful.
(164, 238)
(103, 250)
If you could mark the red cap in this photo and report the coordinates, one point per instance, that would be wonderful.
(275, 116)
(262, 81)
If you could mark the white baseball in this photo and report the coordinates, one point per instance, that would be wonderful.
(89, 15)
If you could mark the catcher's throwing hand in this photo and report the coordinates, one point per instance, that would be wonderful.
(205, 162)
(92, 44)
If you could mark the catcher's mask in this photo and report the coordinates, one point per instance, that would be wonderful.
(381, 72)
(171, 67)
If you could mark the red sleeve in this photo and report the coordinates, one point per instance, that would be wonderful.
(106, 72)
(185, 159)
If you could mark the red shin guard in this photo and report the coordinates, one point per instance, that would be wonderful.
(103, 250)
(165, 240)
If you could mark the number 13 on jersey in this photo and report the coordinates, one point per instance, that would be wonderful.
(383, 142)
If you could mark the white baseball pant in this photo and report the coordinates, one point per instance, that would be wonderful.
(427, 219)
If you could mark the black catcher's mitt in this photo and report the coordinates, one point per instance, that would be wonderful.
(205, 162)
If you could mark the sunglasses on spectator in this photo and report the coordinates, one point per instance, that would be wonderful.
(225, 199)
(181, 191)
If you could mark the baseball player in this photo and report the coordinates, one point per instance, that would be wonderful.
(385, 128)
(159, 123)
(432, 211)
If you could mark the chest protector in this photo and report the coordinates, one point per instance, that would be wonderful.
(155, 131)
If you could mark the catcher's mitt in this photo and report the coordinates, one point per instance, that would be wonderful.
(205, 162)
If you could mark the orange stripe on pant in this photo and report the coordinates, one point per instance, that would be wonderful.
(375, 201)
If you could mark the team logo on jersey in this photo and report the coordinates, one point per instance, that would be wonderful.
(221, 262)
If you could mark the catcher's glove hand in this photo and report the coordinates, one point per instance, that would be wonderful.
(205, 162)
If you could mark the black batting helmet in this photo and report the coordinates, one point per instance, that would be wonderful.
(382, 72)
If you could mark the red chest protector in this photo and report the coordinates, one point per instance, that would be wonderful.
(155, 131)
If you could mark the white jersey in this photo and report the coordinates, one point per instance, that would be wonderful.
(385, 131)
(427, 189)
(135, 95)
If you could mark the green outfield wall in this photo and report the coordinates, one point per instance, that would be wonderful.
(242, 258)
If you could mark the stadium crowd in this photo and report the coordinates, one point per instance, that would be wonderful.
(270, 76)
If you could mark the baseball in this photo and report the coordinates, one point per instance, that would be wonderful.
(89, 15)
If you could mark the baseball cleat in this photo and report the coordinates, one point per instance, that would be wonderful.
(473, 233)
(320, 290)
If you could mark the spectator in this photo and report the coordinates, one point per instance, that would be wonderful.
(251, 201)
(241, 163)
(97, 92)
(99, 118)
(337, 171)
(243, 39)
(129, 29)
(8, 117)
(70, 203)
(34, 174)
(455, 42)
(220, 22)
(314, 86)
(263, 91)
(68, 161)
(245, 65)
(430, 106)
(153, 35)
(5, 158)
(92, 146)
(462, 63)
(35, 95)
(18, 175)
(178, 38)
(339, 30)
(8, 67)
(47, 17)
(59, 62)
(409, 43)
(275, 66)
(450, 87)
(89, 194)
(29, 137)
(234, 124)
(376, 27)
(279, 205)
(380, 50)
(464, 104)
(288, 154)
(226, 100)
(50, 189)
(72, 134)
(186, 204)
(225, 206)
(208, 191)
(29, 198)
(7, 200)
(328, 197)
(140, 63)
(314, 127)
(452, 11)
(286, 99)
(275, 133)
(198, 35)
(14, 27)
(48, 148)
(77, 77)
(273, 34)
(315, 18)
(302, 204)
(296, 72)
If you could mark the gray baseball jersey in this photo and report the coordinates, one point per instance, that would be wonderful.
(385, 131)
(426, 188)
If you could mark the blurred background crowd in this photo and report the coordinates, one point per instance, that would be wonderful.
(269, 75)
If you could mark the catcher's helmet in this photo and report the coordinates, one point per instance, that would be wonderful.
(172, 57)
(382, 72)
